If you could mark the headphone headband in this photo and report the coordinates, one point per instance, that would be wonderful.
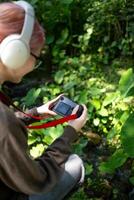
(28, 21)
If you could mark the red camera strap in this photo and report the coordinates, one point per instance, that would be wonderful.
(54, 122)
(6, 100)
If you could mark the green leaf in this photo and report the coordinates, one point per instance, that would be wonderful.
(69, 85)
(96, 103)
(83, 97)
(115, 161)
(126, 82)
(124, 117)
(31, 96)
(103, 112)
(59, 76)
(131, 179)
(55, 132)
(37, 150)
(111, 133)
(34, 2)
(48, 139)
(122, 106)
(96, 121)
(63, 37)
(80, 145)
(55, 91)
(67, 1)
(127, 136)
(52, 133)
(49, 39)
(31, 140)
(88, 169)
(110, 97)
(94, 91)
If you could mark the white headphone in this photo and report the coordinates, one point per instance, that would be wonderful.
(15, 48)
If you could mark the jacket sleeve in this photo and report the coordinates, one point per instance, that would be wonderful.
(18, 170)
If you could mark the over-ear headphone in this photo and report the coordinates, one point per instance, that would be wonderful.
(15, 48)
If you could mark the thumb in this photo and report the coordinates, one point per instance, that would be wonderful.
(50, 112)
(75, 109)
(52, 101)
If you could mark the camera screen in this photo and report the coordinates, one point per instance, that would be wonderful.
(63, 108)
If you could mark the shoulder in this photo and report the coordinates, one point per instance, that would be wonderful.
(6, 115)
(8, 121)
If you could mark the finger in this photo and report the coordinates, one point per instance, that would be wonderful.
(53, 100)
(84, 111)
(75, 109)
(52, 113)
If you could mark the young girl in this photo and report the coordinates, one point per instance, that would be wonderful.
(57, 171)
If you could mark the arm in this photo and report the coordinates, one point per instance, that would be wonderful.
(18, 170)
(37, 111)
(27, 119)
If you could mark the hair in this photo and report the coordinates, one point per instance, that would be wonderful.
(11, 22)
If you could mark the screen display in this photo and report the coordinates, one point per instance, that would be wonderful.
(63, 108)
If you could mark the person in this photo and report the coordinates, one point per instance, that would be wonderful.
(52, 175)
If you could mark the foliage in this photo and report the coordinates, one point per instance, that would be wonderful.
(79, 195)
(89, 53)
(127, 136)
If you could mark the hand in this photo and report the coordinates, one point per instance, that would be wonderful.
(78, 123)
(45, 109)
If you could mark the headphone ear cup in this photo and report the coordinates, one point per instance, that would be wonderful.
(14, 52)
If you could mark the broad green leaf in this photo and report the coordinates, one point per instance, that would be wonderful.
(116, 160)
(31, 140)
(124, 117)
(83, 97)
(110, 97)
(96, 103)
(126, 82)
(103, 112)
(52, 133)
(55, 91)
(48, 140)
(37, 150)
(127, 136)
(131, 92)
(90, 31)
(96, 121)
(111, 133)
(59, 76)
(94, 91)
(69, 85)
(31, 96)
(122, 106)
(55, 132)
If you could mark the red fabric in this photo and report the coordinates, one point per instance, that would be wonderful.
(54, 122)
(35, 117)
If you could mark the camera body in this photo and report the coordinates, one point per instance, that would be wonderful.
(64, 107)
